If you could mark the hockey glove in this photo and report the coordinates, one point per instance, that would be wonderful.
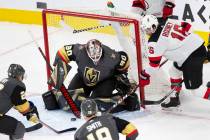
(132, 102)
(144, 78)
(168, 9)
(123, 84)
(32, 115)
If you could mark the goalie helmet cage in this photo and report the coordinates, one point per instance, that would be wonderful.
(53, 17)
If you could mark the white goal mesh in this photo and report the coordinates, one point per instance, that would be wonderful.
(65, 27)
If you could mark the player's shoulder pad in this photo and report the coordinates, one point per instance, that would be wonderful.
(14, 83)
(124, 61)
(68, 52)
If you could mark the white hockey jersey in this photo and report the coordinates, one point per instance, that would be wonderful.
(173, 40)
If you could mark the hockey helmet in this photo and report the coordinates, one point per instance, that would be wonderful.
(89, 108)
(15, 70)
(94, 50)
(149, 24)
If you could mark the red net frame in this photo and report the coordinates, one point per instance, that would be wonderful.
(93, 16)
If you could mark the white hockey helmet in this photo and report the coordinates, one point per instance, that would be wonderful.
(94, 50)
(149, 24)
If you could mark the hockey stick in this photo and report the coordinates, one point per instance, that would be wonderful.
(63, 89)
(57, 131)
(132, 91)
(148, 102)
(65, 93)
(34, 127)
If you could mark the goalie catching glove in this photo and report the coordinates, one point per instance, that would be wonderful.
(32, 115)
(123, 84)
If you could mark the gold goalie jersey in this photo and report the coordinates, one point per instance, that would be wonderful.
(110, 63)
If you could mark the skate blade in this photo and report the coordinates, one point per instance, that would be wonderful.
(177, 109)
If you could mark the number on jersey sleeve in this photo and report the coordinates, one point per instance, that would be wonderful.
(180, 32)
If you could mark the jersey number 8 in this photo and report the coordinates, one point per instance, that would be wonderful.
(101, 134)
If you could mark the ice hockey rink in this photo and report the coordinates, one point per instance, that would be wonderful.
(191, 121)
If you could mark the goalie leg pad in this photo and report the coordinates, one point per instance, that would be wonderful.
(75, 94)
(50, 100)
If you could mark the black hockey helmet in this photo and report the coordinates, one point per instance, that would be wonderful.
(89, 108)
(15, 70)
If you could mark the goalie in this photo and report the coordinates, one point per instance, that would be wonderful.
(99, 71)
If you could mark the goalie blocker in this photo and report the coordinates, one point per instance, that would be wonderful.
(59, 73)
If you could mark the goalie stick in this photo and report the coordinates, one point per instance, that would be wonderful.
(57, 131)
(63, 89)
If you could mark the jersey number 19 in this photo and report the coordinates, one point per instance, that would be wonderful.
(101, 134)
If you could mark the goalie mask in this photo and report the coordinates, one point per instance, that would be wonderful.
(15, 70)
(94, 50)
(149, 24)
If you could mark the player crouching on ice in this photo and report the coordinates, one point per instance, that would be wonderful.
(100, 71)
(12, 94)
(104, 126)
(173, 40)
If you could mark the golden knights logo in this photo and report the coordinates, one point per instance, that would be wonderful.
(92, 76)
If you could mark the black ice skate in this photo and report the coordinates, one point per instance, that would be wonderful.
(174, 102)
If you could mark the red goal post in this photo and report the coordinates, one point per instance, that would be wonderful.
(59, 14)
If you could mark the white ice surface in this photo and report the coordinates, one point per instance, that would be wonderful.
(190, 122)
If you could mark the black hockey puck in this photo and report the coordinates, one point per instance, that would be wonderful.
(73, 119)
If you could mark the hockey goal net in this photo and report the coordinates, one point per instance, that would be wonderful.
(64, 27)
